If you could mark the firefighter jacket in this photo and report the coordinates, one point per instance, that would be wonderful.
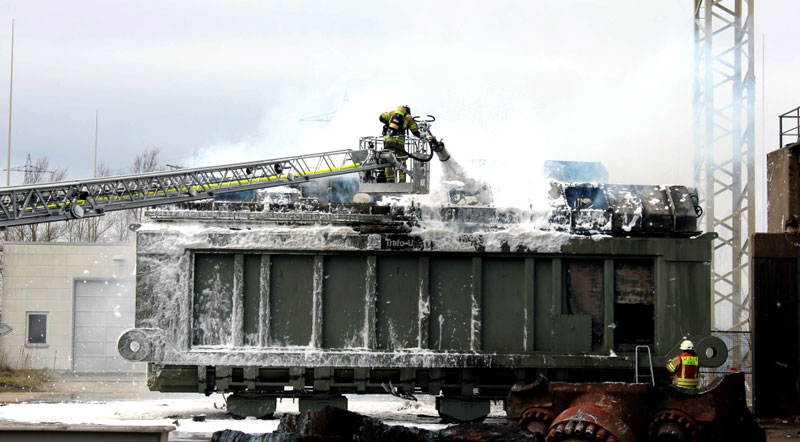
(685, 368)
(396, 139)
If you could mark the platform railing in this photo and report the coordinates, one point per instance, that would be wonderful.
(789, 126)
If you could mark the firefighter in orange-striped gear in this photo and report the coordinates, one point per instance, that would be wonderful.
(685, 367)
(395, 125)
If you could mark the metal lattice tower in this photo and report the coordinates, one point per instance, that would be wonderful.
(724, 111)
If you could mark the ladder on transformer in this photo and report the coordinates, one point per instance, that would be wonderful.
(637, 376)
(47, 202)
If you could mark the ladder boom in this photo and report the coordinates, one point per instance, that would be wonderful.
(38, 203)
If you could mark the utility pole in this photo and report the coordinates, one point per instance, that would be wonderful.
(96, 122)
(10, 92)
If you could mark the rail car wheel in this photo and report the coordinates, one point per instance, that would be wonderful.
(455, 410)
(241, 406)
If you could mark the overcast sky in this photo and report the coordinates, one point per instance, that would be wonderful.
(217, 82)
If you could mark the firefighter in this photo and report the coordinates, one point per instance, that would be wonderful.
(685, 366)
(395, 125)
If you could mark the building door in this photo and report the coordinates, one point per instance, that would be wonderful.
(103, 310)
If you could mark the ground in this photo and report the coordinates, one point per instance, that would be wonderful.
(124, 399)
(22, 380)
(781, 429)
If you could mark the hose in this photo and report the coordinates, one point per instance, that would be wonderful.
(436, 147)
(422, 159)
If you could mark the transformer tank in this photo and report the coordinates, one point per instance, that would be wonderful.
(317, 305)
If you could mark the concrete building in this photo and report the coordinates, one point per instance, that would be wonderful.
(67, 304)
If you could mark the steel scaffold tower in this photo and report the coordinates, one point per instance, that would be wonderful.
(724, 112)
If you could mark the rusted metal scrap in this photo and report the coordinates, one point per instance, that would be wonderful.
(619, 412)
(336, 425)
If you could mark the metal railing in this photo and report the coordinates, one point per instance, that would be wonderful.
(417, 172)
(789, 126)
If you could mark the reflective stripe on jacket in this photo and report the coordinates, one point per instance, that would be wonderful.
(685, 367)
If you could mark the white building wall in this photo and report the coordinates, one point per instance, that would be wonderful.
(40, 277)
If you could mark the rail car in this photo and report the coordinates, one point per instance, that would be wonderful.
(357, 299)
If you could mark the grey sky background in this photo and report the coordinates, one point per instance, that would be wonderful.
(218, 82)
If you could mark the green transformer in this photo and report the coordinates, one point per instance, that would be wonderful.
(317, 305)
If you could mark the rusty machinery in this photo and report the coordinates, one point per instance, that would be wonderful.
(623, 412)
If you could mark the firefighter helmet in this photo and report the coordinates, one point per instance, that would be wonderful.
(687, 345)
(404, 108)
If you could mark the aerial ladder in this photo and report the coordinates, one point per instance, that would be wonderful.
(47, 202)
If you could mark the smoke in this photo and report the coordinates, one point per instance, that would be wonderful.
(506, 104)
(288, 126)
(553, 80)
(635, 129)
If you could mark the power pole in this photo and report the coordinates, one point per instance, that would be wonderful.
(10, 92)
(32, 174)
(96, 124)
(724, 112)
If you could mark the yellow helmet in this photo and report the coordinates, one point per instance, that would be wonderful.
(405, 109)
(687, 345)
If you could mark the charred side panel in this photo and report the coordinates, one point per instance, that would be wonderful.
(634, 281)
(586, 295)
(634, 306)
